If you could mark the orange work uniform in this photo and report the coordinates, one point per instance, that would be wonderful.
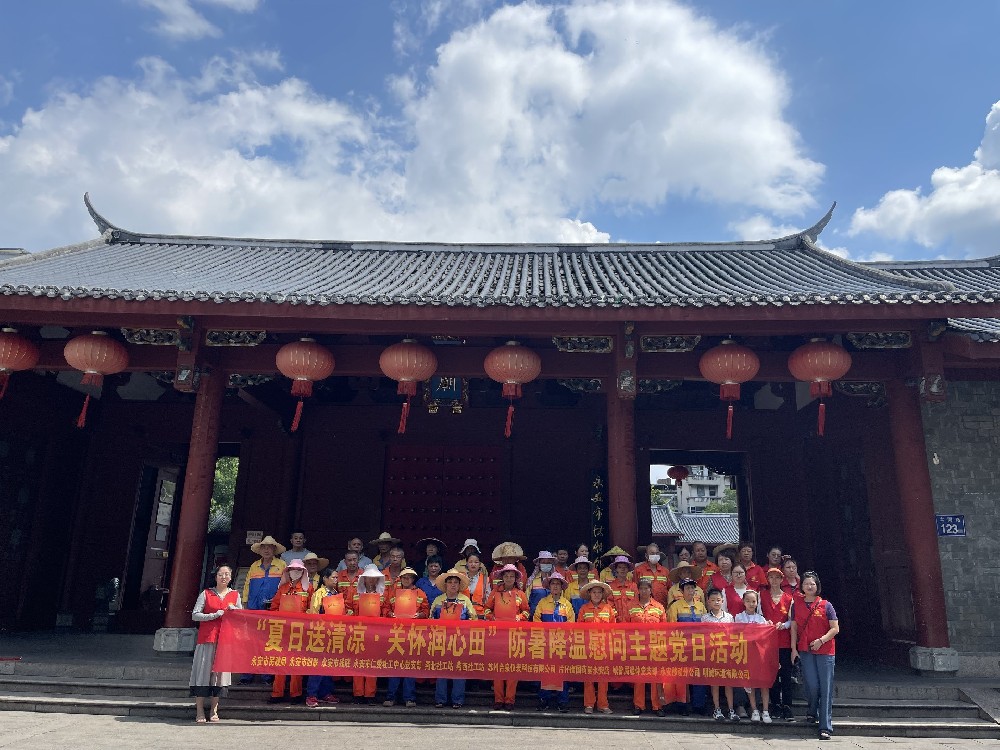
(623, 596)
(507, 606)
(364, 687)
(289, 595)
(651, 611)
(596, 693)
(657, 575)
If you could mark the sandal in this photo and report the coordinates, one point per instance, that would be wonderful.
(200, 720)
(214, 718)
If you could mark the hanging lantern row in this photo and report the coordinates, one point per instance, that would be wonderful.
(16, 354)
(408, 363)
(818, 363)
(678, 474)
(95, 354)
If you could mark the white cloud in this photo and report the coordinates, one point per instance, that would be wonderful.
(761, 227)
(525, 126)
(961, 209)
(180, 20)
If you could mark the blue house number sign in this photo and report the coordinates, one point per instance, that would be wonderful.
(951, 525)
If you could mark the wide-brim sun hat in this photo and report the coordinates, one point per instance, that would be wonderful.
(422, 544)
(441, 579)
(544, 555)
(508, 549)
(324, 562)
(385, 536)
(593, 585)
(279, 549)
(372, 571)
(621, 560)
(582, 561)
(555, 575)
(685, 570)
(615, 552)
(724, 548)
(296, 564)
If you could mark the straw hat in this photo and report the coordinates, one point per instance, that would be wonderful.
(544, 555)
(596, 584)
(508, 549)
(685, 570)
(723, 548)
(324, 562)
(615, 551)
(408, 572)
(385, 536)
(581, 560)
(440, 580)
(508, 567)
(279, 549)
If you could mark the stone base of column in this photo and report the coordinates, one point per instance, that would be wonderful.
(937, 662)
(175, 640)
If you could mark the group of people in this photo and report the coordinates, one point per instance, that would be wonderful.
(730, 587)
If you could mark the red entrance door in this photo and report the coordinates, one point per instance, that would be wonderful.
(449, 492)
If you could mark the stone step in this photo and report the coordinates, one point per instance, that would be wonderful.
(475, 696)
(181, 709)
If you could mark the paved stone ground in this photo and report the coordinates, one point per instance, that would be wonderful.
(42, 731)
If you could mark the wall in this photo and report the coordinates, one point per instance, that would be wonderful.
(964, 433)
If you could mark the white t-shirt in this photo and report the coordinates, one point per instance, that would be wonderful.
(745, 618)
(723, 617)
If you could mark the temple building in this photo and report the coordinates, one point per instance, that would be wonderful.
(111, 507)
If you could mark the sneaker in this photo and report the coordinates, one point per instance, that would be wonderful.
(498, 706)
(331, 698)
(636, 711)
(811, 720)
(508, 706)
(605, 710)
(717, 715)
(455, 706)
(411, 704)
(824, 735)
(755, 716)
(765, 717)
(661, 711)
(311, 702)
(733, 717)
(388, 704)
(588, 709)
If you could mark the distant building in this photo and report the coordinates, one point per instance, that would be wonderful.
(673, 530)
(700, 488)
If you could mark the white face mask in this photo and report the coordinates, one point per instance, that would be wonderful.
(654, 559)
(295, 574)
(546, 567)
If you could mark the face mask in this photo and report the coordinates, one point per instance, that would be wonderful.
(295, 574)
(546, 567)
(654, 559)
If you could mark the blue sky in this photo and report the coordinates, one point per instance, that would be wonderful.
(472, 120)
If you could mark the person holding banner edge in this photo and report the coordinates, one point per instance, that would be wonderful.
(814, 631)
(211, 605)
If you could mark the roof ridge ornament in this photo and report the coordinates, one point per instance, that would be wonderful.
(812, 233)
(105, 227)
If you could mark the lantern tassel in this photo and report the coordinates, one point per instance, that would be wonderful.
(401, 430)
(729, 423)
(4, 379)
(298, 415)
(81, 421)
(821, 419)
(510, 420)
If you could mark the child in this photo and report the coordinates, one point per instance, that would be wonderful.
(717, 614)
(751, 616)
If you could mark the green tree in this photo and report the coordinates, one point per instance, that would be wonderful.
(726, 504)
(220, 514)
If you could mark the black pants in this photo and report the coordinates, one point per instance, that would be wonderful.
(781, 690)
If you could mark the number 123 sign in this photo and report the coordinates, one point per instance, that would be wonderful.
(950, 525)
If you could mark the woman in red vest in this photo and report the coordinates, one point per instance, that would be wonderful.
(814, 628)
(212, 604)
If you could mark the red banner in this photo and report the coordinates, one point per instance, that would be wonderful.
(696, 653)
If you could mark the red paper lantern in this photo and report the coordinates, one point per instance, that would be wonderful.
(16, 354)
(95, 355)
(305, 362)
(408, 363)
(819, 363)
(729, 364)
(678, 474)
(512, 365)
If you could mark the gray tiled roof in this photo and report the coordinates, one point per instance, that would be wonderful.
(711, 528)
(982, 276)
(786, 271)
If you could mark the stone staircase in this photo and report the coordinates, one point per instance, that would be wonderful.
(157, 687)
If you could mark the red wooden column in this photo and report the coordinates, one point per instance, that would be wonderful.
(919, 530)
(621, 443)
(192, 526)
